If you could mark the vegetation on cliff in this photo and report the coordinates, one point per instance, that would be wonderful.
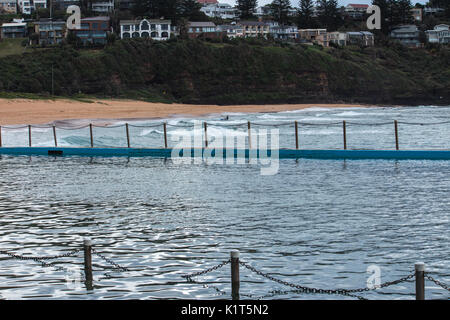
(234, 72)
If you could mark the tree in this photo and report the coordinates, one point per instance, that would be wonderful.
(329, 14)
(183, 26)
(279, 10)
(305, 14)
(401, 12)
(190, 9)
(246, 8)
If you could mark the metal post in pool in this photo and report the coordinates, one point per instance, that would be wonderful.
(206, 134)
(396, 134)
(420, 280)
(92, 136)
(29, 135)
(296, 135)
(0, 136)
(344, 131)
(54, 136)
(128, 134)
(87, 246)
(165, 135)
(235, 274)
(249, 135)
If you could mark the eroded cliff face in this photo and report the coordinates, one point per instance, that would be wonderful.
(239, 73)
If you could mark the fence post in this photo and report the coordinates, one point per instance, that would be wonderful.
(165, 135)
(235, 275)
(87, 244)
(128, 134)
(396, 134)
(296, 135)
(92, 136)
(344, 131)
(54, 136)
(420, 280)
(206, 134)
(29, 135)
(249, 135)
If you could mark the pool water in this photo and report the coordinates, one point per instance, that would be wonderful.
(317, 223)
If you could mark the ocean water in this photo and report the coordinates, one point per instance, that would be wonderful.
(317, 223)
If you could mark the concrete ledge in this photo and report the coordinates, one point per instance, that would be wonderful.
(283, 153)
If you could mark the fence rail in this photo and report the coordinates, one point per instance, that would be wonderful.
(419, 275)
(295, 124)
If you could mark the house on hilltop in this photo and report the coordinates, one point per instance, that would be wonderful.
(439, 34)
(156, 29)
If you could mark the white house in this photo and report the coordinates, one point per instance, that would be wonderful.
(338, 38)
(233, 30)
(28, 6)
(408, 35)
(283, 32)
(103, 7)
(8, 6)
(219, 10)
(439, 34)
(156, 29)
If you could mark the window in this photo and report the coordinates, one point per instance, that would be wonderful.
(164, 35)
(136, 27)
(154, 35)
(135, 34)
(126, 35)
(95, 26)
(126, 28)
(145, 35)
(144, 25)
(164, 27)
(104, 25)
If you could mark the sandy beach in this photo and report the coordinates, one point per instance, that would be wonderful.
(23, 111)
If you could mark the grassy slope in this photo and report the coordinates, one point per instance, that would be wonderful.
(199, 72)
(11, 47)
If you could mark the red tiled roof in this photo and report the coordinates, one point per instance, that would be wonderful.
(359, 5)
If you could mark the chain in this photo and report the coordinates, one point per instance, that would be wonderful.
(441, 284)
(38, 259)
(189, 277)
(115, 265)
(423, 124)
(42, 260)
(322, 291)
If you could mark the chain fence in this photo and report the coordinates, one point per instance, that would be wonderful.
(223, 123)
(217, 124)
(295, 288)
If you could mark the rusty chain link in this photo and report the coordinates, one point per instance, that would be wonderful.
(115, 265)
(323, 291)
(439, 283)
(189, 277)
(19, 257)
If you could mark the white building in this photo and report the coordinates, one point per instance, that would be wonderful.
(103, 7)
(338, 38)
(219, 10)
(233, 30)
(39, 4)
(156, 29)
(28, 6)
(8, 6)
(439, 34)
(283, 32)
